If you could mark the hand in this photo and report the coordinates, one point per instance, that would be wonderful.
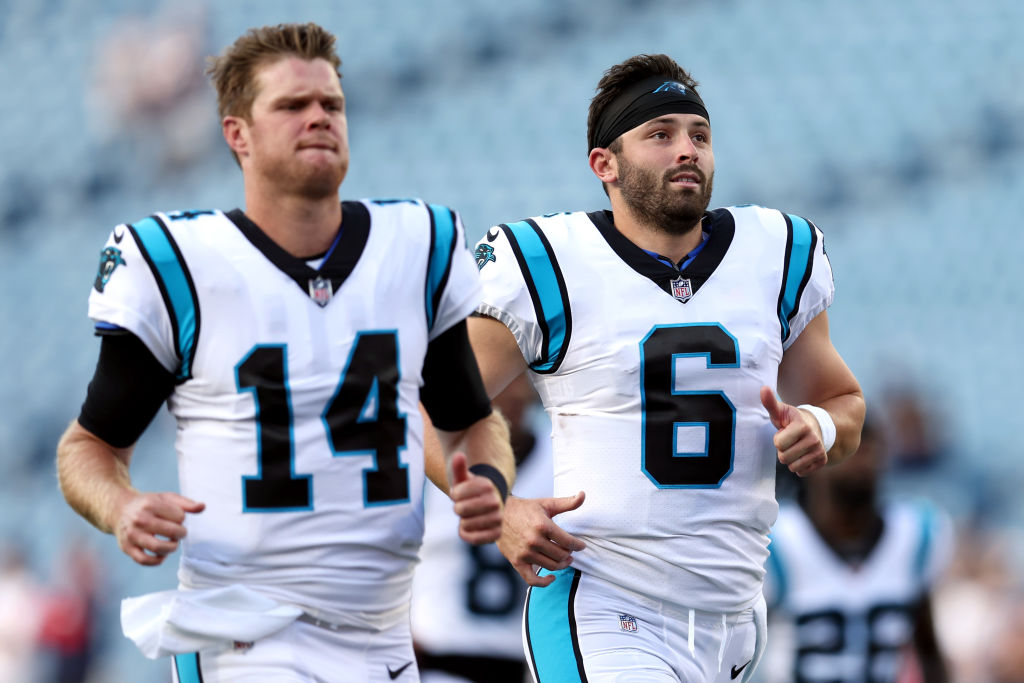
(529, 537)
(149, 525)
(798, 440)
(477, 503)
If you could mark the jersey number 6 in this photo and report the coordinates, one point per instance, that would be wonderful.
(666, 409)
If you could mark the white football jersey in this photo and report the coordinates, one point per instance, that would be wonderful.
(651, 377)
(851, 624)
(297, 394)
(466, 599)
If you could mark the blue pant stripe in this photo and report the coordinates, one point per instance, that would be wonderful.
(551, 629)
(187, 668)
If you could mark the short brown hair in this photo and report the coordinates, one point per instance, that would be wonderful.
(621, 76)
(233, 71)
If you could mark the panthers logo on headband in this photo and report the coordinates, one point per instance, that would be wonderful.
(110, 258)
(671, 86)
(484, 255)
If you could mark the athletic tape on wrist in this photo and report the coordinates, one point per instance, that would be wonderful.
(825, 423)
(492, 473)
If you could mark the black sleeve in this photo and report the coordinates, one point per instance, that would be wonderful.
(453, 392)
(126, 391)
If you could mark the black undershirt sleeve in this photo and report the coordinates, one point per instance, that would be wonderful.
(130, 385)
(453, 392)
(126, 391)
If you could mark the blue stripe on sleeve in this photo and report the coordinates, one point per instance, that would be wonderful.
(548, 290)
(177, 287)
(924, 546)
(796, 270)
(442, 244)
(778, 571)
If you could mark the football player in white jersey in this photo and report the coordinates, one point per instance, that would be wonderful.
(290, 341)
(850, 578)
(657, 335)
(467, 600)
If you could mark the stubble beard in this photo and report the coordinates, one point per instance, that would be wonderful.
(654, 202)
(313, 182)
(291, 176)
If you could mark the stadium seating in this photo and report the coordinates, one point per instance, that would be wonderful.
(896, 127)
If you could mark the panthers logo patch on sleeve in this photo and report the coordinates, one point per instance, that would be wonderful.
(484, 255)
(110, 258)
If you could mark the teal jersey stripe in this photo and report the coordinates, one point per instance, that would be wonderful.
(778, 571)
(187, 667)
(924, 546)
(797, 270)
(176, 285)
(550, 629)
(442, 247)
(548, 292)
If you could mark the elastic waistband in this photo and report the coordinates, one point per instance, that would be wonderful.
(676, 608)
(322, 623)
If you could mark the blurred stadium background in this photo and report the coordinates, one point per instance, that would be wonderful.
(898, 127)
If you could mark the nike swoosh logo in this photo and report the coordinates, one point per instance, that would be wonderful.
(118, 236)
(398, 672)
(734, 672)
(492, 234)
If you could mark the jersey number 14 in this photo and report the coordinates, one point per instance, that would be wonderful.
(361, 418)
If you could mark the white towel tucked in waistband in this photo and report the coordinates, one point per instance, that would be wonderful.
(180, 621)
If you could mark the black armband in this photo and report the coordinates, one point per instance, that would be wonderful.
(495, 475)
(126, 391)
(453, 392)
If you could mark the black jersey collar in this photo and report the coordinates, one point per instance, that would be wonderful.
(355, 230)
(719, 223)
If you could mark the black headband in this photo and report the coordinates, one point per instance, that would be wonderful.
(648, 99)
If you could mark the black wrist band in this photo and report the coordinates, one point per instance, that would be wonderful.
(492, 473)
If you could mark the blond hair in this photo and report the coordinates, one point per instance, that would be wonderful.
(233, 72)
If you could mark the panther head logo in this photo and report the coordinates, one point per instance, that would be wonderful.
(110, 258)
(484, 255)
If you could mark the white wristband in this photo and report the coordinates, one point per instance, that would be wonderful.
(825, 424)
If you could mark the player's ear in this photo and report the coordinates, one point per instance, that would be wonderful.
(603, 164)
(236, 134)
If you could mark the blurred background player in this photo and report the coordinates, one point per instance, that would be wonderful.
(467, 604)
(22, 603)
(850, 578)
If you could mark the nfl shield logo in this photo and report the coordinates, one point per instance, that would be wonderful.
(627, 623)
(681, 289)
(320, 291)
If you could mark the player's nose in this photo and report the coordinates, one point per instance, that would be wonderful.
(686, 150)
